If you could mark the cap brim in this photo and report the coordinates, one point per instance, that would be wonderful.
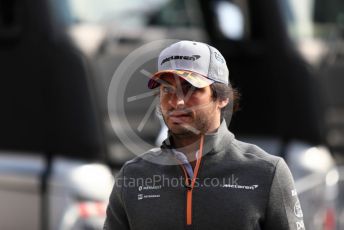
(195, 79)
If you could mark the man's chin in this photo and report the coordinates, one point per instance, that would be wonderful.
(182, 129)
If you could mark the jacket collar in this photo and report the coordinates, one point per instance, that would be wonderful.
(213, 142)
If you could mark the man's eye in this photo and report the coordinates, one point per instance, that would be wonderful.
(167, 89)
(188, 88)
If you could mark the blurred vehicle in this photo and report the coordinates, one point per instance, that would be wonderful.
(58, 58)
(316, 28)
(52, 171)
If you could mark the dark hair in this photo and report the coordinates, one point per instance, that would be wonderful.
(221, 92)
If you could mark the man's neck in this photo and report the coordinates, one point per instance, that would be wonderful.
(186, 142)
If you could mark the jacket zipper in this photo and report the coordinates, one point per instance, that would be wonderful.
(190, 184)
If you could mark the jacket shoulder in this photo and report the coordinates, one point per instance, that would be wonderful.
(142, 161)
(247, 152)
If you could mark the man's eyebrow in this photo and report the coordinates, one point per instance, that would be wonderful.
(163, 82)
(186, 83)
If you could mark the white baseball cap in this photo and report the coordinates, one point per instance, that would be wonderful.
(198, 63)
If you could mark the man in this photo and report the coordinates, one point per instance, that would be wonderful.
(225, 183)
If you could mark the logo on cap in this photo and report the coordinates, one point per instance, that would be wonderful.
(192, 58)
(219, 57)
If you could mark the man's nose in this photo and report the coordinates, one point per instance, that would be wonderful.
(177, 100)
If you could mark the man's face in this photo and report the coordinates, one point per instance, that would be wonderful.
(188, 110)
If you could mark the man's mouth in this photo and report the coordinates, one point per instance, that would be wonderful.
(179, 116)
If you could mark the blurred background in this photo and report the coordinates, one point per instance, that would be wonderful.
(58, 150)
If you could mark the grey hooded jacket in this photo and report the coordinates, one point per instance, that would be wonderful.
(238, 186)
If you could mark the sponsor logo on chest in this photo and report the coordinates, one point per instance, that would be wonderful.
(241, 187)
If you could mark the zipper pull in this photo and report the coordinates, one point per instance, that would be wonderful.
(188, 187)
(188, 184)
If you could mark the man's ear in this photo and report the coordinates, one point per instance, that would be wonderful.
(221, 104)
